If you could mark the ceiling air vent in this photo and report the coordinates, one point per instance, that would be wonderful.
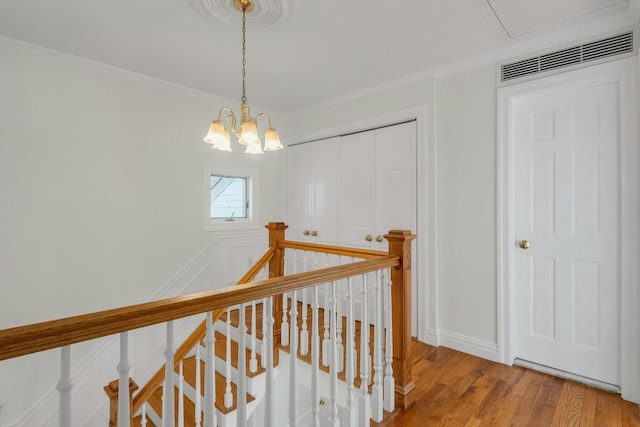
(611, 46)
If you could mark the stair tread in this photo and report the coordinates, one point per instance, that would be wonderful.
(189, 371)
(235, 319)
(221, 352)
(357, 333)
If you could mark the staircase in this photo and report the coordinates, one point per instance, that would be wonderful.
(226, 377)
(271, 352)
(228, 326)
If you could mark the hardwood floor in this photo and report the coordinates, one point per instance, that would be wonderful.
(457, 389)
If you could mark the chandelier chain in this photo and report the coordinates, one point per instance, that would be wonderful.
(244, 52)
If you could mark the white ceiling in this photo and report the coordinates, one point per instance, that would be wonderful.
(319, 51)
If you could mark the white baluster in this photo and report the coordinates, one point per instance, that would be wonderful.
(352, 410)
(1, 406)
(267, 337)
(326, 353)
(228, 396)
(334, 420)
(143, 416)
(338, 335)
(198, 397)
(180, 397)
(209, 376)
(364, 403)
(168, 394)
(376, 390)
(389, 380)
(284, 329)
(304, 333)
(315, 359)
(124, 417)
(253, 363)
(264, 342)
(64, 388)
(293, 356)
(242, 369)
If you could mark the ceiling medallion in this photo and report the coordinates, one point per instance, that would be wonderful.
(266, 13)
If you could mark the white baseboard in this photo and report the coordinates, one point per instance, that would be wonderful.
(433, 337)
(476, 347)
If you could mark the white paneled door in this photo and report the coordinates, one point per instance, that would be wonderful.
(566, 227)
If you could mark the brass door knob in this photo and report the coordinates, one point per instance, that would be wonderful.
(314, 233)
(305, 232)
(379, 238)
(524, 244)
(368, 237)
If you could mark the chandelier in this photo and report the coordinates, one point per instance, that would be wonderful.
(218, 135)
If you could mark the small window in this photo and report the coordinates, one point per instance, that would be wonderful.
(228, 195)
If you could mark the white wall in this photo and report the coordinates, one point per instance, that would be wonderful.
(101, 196)
(467, 203)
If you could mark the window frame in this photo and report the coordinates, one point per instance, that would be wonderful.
(220, 224)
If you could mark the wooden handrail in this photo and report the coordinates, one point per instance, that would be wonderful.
(334, 250)
(23, 340)
(198, 334)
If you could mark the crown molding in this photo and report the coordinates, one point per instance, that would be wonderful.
(128, 74)
(404, 81)
(528, 46)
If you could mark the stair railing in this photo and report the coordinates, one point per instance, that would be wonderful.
(195, 337)
(62, 333)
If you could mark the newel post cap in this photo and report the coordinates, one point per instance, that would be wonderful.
(276, 226)
(400, 235)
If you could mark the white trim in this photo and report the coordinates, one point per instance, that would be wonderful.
(128, 74)
(252, 219)
(433, 337)
(387, 86)
(434, 221)
(480, 348)
(527, 47)
(624, 73)
(425, 200)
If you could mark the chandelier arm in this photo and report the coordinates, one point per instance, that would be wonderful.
(228, 110)
(233, 124)
(231, 116)
(264, 115)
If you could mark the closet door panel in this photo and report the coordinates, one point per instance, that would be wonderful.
(325, 190)
(357, 195)
(397, 192)
(396, 178)
(299, 190)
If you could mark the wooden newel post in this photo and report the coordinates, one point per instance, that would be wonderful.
(400, 246)
(112, 390)
(276, 269)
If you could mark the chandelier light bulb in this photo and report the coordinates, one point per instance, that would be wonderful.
(271, 140)
(218, 136)
(249, 133)
(254, 149)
